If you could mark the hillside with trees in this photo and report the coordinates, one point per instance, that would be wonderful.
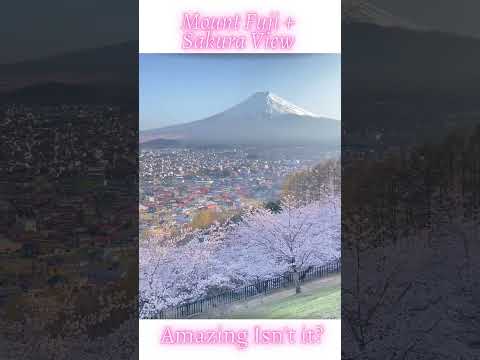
(410, 231)
(283, 237)
(315, 184)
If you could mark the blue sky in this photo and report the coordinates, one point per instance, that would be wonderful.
(177, 88)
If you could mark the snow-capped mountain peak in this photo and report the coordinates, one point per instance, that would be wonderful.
(262, 118)
(364, 11)
(271, 104)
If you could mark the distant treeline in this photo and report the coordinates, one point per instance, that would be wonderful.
(413, 192)
(315, 184)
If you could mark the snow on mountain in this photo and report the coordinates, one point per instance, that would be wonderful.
(363, 11)
(261, 118)
(267, 103)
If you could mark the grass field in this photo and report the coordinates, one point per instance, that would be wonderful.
(319, 300)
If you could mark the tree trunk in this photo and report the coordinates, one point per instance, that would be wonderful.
(296, 280)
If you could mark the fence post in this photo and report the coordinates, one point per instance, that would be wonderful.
(259, 287)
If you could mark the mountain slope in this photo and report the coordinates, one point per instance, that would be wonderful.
(401, 60)
(83, 66)
(401, 86)
(382, 52)
(91, 75)
(262, 118)
(363, 11)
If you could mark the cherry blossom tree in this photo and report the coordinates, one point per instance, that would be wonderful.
(261, 246)
(294, 239)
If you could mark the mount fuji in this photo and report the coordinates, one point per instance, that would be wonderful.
(363, 11)
(263, 118)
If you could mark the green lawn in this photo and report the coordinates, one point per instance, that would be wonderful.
(318, 300)
(323, 304)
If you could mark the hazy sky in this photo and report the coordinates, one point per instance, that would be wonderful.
(181, 88)
(32, 29)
